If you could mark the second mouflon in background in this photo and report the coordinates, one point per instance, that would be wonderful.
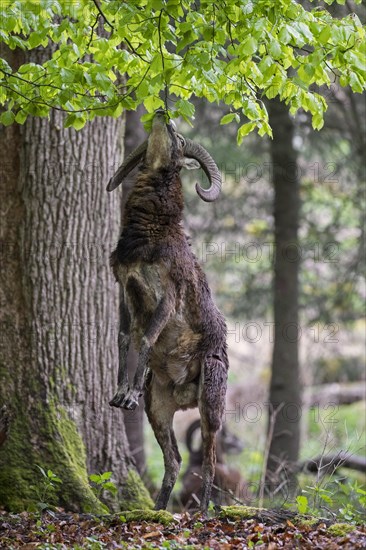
(166, 305)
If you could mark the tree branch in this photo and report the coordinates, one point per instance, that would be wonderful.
(102, 14)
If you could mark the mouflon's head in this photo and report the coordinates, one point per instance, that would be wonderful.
(165, 149)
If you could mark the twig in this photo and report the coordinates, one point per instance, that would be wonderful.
(48, 85)
(166, 92)
(92, 30)
(135, 51)
(221, 490)
(102, 14)
(62, 109)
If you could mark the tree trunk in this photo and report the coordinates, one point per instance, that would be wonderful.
(59, 306)
(285, 396)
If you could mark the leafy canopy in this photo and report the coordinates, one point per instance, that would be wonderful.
(110, 55)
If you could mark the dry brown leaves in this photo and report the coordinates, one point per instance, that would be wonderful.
(63, 531)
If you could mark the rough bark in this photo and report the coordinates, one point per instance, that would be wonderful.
(59, 305)
(285, 396)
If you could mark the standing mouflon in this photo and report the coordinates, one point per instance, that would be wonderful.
(166, 304)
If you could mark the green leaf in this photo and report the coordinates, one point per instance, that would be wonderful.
(275, 49)
(306, 73)
(356, 84)
(152, 103)
(117, 111)
(147, 121)
(251, 109)
(226, 119)
(186, 108)
(357, 59)
(326, 498)
(249, 46)
(76, 120)
(284, 36)
(79, 122)
(109, 486)
(53, 477)
(157, 4)
(37, 38)
(103, 82)
(95, 478)
(317, 121)
(7, 118)
(324, 35)
(21, 117)
(302, 504)
(244, 131)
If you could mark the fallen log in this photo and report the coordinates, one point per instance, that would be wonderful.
(336, 394)
(328, 464)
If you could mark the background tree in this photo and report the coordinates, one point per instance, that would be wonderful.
(285, 393)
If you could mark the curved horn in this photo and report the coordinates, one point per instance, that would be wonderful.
(193, 150)
(128, 164)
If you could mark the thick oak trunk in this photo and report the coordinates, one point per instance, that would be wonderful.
(285, 397)
(59, 306)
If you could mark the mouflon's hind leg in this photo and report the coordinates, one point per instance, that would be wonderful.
(124, 338)
(160, 408)
(211, 403)
(208, 464)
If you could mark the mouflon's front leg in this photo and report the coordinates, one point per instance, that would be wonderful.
(124, 337)
(157, 323)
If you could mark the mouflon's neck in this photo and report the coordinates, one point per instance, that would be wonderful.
(156, 199)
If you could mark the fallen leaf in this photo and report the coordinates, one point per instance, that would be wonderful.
(152, 535)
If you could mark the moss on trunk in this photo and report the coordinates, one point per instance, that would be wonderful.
(48, 439)
(134, 495)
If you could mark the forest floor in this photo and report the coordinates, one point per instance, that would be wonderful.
(269, 530)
